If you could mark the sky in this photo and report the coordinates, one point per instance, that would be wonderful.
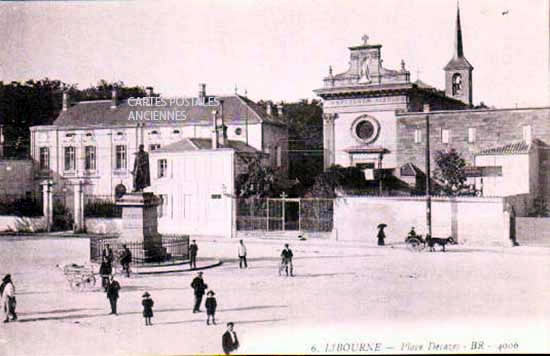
(274, 49)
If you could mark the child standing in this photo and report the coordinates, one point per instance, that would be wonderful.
(147, 303)
(210, 305)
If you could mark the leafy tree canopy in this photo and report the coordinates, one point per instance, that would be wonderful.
(31, 103)
(450, 172)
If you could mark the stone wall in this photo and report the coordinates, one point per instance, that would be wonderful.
(22, 224)
(533, 231)
(493, 128)
(103, 225)
(275, 140)
(478, 221)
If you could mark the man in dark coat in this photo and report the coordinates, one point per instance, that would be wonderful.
(126, 259)
(107, 254)
(140, 172)
(381, 235)
(199, 287)
(112, 294)
(105, 271)
(286, 256)
(229, 340)
(193, 249)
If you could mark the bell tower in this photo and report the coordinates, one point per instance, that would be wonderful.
(458, 72)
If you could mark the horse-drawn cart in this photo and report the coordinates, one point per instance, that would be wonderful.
(80, 277)
(415, 242)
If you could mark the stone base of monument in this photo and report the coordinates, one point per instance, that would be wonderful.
(150, 250)
(139, 225)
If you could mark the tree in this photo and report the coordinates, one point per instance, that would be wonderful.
(450, 172)
(305, 139)
(539, 208)
(33, 103)
(256, 183)
(338, 178)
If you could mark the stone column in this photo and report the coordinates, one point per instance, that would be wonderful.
(47, 202)
(78, 207)
(328, 140)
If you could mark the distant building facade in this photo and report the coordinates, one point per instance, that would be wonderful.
(375, 119)
(95, 142)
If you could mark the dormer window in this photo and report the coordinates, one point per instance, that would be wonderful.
(89, 134)
(154, 132)
(176, 132)
(120, 133)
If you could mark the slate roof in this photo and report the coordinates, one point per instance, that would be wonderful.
(237, 109)
(458, 63)
(512, 148)
(410, 170)
(195, 144)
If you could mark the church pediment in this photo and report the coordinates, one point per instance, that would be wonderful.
(366, 69)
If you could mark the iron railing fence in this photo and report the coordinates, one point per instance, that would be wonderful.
(169, 249)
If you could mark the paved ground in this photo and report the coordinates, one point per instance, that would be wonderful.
(344, 298)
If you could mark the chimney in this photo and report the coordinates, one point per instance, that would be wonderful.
(149, 91)
(223, 128)
(426, 108)
(280, 109)
(214, 130)
(65, 101)
(268, 109)
(202, 91)
(113, 98)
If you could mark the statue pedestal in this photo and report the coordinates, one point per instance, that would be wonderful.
(139, 226)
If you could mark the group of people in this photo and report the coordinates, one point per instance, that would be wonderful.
(108, 282)
(107, 259)
(229, 339)
(286, 259)
(112, 287)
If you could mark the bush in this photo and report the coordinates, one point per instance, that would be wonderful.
(539, 208)
(21, 207)
(62, 217)
(102, 209)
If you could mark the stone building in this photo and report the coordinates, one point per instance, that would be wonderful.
(94, 143)
(375, 118)
(195, 178)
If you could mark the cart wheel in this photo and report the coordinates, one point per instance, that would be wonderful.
(414, 244)
(89, 282)
(76, 284)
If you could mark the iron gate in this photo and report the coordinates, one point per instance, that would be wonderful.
(285, 214)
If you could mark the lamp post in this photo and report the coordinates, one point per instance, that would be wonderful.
(284, 196)
(428, 179)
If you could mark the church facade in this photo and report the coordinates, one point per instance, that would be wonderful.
(375, 119)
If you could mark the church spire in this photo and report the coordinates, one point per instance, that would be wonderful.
(459, 51)
(458, 72)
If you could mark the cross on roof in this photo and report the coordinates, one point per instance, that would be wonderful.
(365, 39)
(284, 196)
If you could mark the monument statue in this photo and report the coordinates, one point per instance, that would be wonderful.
(141, 170)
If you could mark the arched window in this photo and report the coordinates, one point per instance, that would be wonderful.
(457, 84)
